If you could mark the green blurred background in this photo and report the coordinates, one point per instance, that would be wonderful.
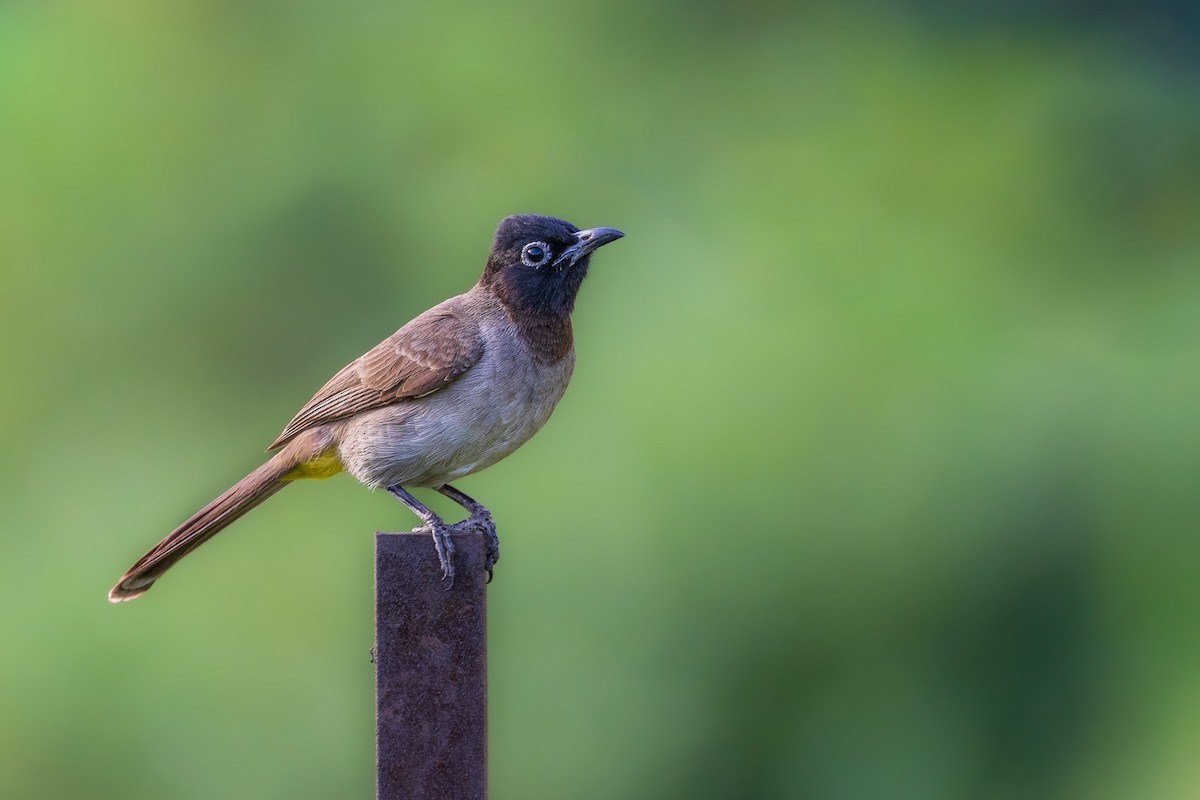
(877, 478)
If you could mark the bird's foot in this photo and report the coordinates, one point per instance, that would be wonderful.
(443, 541)
(487, 526)
(481, 521)
(444, 546)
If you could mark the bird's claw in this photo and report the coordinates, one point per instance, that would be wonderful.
(491, 555)
(481, 522)
(444, 545)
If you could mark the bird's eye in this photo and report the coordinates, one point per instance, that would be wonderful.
(535, 254)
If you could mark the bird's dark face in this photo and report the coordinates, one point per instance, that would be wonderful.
(538, 263)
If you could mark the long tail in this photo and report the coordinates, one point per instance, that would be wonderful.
(203, 525)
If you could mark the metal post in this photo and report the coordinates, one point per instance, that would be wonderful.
(430, 670)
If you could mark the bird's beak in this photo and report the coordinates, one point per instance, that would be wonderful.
(585, 243)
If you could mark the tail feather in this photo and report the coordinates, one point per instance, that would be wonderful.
(202, 526)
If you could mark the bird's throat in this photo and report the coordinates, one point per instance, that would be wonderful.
(548, 336)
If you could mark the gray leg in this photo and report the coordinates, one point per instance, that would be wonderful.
(441, 536)
(483, 518)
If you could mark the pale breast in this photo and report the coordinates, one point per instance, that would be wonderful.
(470, 424)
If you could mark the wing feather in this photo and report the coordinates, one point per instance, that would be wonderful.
(420, 358)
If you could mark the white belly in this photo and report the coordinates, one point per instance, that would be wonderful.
(470, 424)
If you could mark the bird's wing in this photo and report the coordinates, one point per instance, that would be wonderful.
(420, 358)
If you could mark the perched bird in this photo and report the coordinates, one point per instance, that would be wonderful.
(450, 393)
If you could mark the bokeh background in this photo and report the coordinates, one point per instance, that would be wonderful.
(877, 478)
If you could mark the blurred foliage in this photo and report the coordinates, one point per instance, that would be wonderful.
(877, 476)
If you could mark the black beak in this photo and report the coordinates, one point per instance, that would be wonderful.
(586, 242)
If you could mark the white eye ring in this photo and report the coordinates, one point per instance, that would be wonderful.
(535, 254)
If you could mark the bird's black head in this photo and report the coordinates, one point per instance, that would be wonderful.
(538, 263)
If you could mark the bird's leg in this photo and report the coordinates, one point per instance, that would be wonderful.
(441, 536)
(483, 518)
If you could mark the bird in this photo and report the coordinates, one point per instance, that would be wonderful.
(453, 391)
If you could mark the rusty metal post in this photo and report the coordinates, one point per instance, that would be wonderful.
(430, 670)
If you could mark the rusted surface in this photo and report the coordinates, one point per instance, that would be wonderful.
(430, 670)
